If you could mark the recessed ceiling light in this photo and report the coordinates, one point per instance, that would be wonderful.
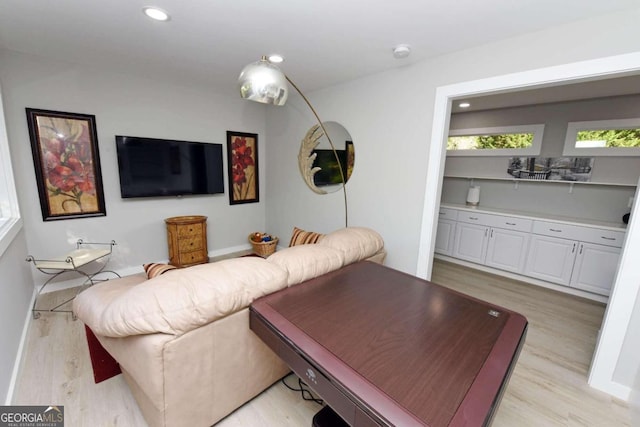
(156, 13)
(464, 105)
(275, 58)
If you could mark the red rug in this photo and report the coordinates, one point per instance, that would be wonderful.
(104, 366)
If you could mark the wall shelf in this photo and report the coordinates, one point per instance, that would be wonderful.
(516, 181)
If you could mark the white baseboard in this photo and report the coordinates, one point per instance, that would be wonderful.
(615, 389)
(526, 279)
(17, 364)
(227, 251)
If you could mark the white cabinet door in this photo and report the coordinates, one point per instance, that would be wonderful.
(551, 258)
(471, 242)
(595, 268)
(507, 250)
(445, 236)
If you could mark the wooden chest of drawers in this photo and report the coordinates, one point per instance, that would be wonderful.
(187, 238)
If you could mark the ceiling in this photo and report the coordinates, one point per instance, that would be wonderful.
(619, 86)
(324, 42)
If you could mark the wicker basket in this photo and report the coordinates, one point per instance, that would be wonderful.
(264, 249)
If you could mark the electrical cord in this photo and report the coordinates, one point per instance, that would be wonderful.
(303, 389)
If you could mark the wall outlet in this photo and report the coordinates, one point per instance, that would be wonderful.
(630, 202)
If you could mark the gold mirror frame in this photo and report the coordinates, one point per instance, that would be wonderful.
(307, 156)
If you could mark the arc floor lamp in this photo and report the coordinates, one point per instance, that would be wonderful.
(264, 82)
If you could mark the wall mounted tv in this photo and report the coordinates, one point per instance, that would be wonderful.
(159, 167)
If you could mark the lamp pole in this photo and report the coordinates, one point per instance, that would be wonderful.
(264, 82)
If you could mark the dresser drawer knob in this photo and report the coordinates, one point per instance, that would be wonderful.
(555, 230)
(510, 223)
(608, 238)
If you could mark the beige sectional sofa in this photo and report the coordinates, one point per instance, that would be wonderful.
(182, 339)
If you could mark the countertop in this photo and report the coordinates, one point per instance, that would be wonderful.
(616, 226)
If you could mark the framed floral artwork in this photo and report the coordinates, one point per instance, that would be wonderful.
(67, 164)
(242, 166)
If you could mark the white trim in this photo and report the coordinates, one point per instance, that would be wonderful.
(526, 279)
(9, 210)
(17, 364)
(537, 130)
(229, 250)
(622, 300)
(8, 231)
(619, 311)
(573, 128)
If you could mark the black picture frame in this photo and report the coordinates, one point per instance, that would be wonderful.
(242, 167)
(66, 160)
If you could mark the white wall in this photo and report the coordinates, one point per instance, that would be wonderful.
(587, 202)
(16, 287)
(16, 290)
(390, 116)
(126, 105)
(555, 117)
(602, 204)
(628, 362)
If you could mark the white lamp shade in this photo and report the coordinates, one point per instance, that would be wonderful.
(263, 82)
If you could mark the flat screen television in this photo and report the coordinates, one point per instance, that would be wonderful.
(152, 167)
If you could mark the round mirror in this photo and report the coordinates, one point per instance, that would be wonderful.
(321, 167)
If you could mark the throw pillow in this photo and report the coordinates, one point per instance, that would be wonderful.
(302, 237)
(155, 269)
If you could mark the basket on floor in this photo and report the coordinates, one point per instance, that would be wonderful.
(264, 249)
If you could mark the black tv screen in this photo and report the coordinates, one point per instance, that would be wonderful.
(152, 167)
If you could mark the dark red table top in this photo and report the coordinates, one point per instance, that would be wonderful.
(406, 348)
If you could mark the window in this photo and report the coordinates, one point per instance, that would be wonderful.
(496, 141)
(10, 221)
(603, 138)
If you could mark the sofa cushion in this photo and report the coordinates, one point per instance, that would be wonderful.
(355, 243)
(304, 262)
(91, 302)
(302, 237)
(183, 300)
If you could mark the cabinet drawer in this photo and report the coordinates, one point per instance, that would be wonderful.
(190, 244)
(498, 221)
(448, 213)
(600, 236)
(189, 230)
(576, 232)
(192, 257)
(511, 223)
(475, 218)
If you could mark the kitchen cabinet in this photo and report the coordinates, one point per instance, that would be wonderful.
(471, 242)
(574, 255)
(570, 254)
(445, 237)
(551, 259)
(595, 268)
(446, 231)
(494, 240)
(507, 250)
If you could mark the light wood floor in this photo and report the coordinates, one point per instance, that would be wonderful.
(548, 387)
